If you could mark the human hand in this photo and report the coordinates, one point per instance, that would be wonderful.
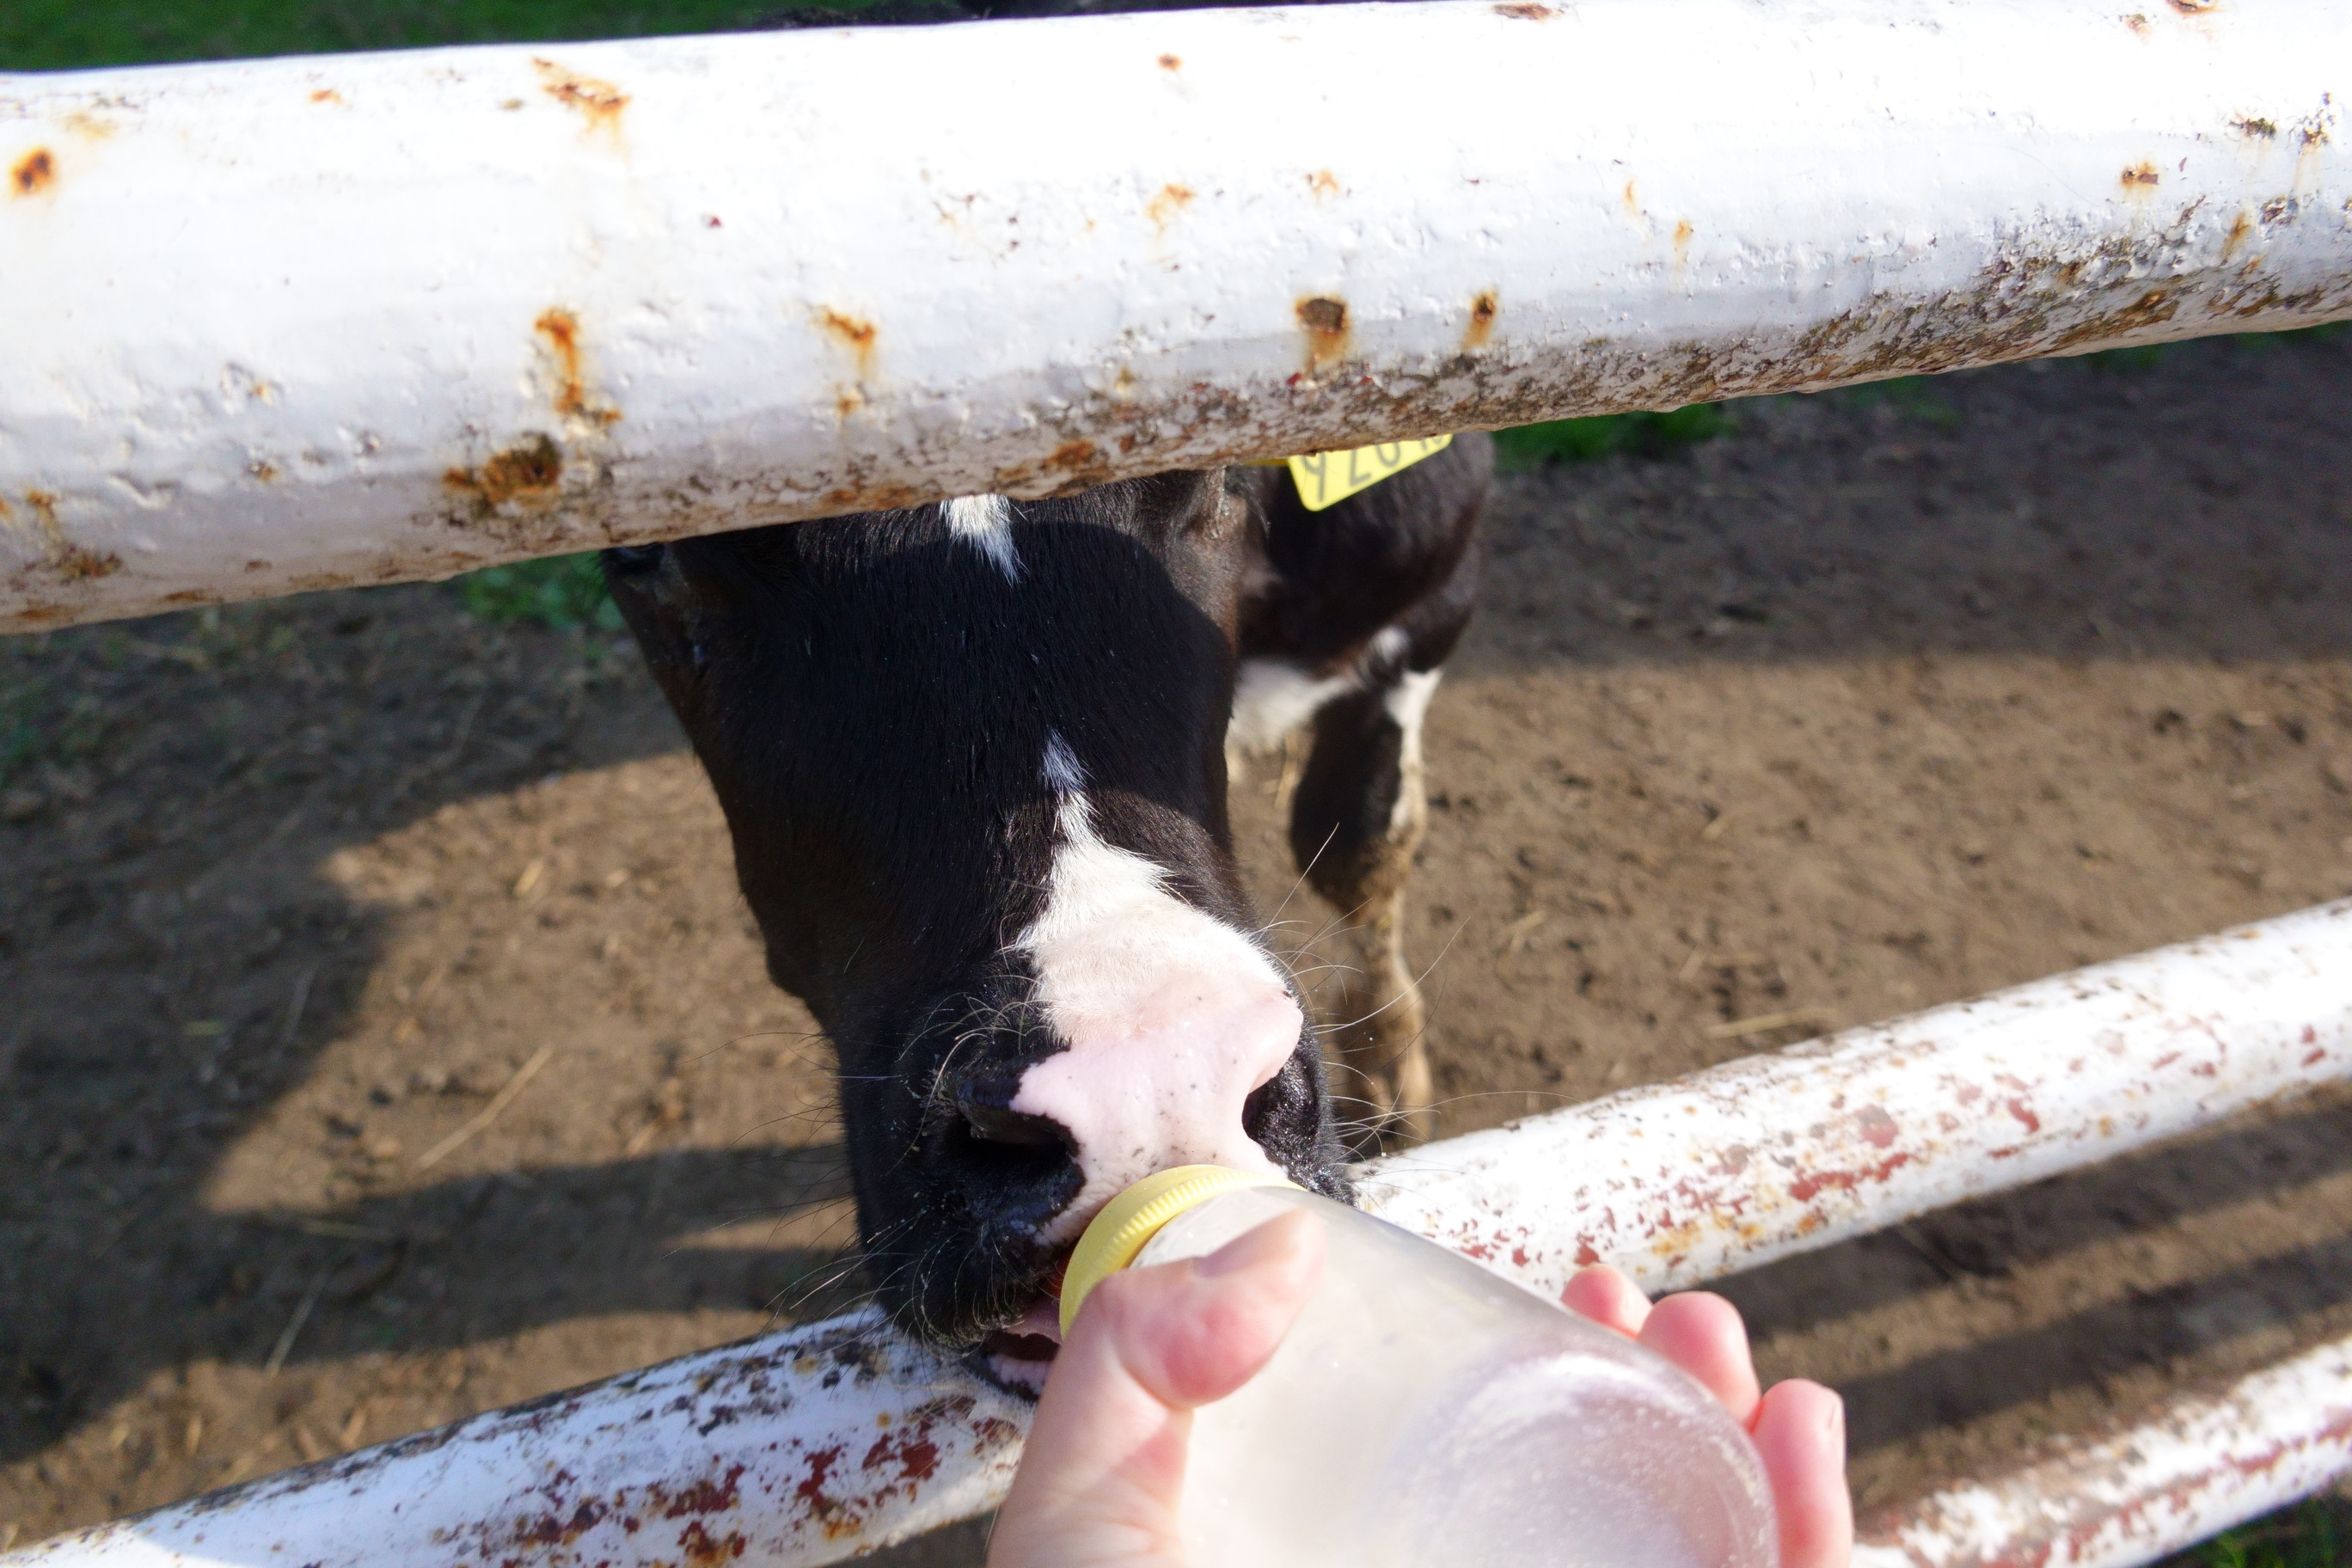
(1799, 1425)
(1099, 1484)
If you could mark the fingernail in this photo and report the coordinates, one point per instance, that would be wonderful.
(1278, 1237)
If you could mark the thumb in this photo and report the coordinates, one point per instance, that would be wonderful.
(1104, 1469)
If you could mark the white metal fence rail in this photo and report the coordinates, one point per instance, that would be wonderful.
(813, 1445)
(289, 324)
(2127, 1495)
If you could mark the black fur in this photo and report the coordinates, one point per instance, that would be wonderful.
(871, 698)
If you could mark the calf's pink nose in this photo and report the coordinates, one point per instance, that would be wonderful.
(1164, 1085)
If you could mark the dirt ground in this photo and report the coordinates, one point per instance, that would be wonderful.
(1880, 700)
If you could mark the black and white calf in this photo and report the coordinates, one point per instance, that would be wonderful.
(973, 759)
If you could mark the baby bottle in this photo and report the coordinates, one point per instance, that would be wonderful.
(1424, 1411)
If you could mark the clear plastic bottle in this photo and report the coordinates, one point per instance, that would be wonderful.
(1427, 1413)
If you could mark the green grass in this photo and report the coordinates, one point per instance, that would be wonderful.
(557, 592)
(2315, 1534)
(2140, 356)
(68, 34)
(2145, 356)
(1605, 435)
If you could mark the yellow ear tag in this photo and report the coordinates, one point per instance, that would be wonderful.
(1326, 479)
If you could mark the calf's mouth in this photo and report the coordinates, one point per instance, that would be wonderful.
(1019, 1355)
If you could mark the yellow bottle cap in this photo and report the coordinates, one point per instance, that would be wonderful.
(1115, 1235)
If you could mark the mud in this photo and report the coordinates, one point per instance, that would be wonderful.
(1879, 701)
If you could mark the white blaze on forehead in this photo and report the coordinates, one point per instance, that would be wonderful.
(1171, 1018)
(986, 523)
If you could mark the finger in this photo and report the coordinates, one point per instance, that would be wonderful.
(1104, 1466)
(1801, 1436)
(1609, 1298)
(1701, 1332)
(1207, 1330)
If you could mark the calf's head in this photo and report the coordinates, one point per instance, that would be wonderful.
(971, 756)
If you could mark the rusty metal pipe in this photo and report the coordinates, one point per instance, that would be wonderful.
(1781, 1154)
(290, 324)
(798, 1448)
(2137, 1491)
(813, 1445)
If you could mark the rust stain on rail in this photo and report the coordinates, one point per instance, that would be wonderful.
(65, 559)
(845, 1499)
(2240, 228)
(559, 335)
(2043, 288)
(853, 333)
(527, 471)
(1483, 310)
(707, 1551)
(857, 335)
(1162, 209)
(34, 172)
(598, 102)
(779, 1470)
(1082, 461)
(2117, 1490)
(1325, 322)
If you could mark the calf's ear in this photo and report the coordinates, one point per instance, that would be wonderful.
(1222, 515)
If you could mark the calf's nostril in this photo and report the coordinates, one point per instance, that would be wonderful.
(1015, 1167)
(1260, 1108)
(1002, 1124)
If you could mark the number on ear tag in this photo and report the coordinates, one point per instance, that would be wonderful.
(1326, 479)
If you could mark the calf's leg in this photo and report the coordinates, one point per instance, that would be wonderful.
(1362, 604)
(1355, 822)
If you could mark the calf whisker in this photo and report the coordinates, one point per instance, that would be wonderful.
(1300, 882)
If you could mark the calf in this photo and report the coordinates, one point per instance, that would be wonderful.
(974, 759)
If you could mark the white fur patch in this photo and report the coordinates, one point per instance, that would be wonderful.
(986, 523)
(1171, 1018)
(1273, 697)
(1408, 704)
(1061, 769)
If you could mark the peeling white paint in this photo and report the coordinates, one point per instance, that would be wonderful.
(2145, 1488)
(280, 324)
(842, 1438)
(1795, 1149)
